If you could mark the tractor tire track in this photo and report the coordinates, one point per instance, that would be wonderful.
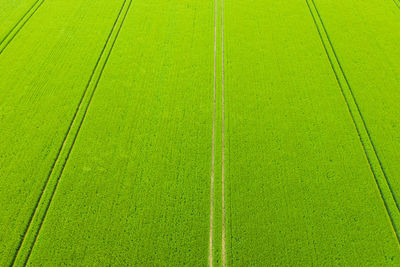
(383, 184)
(37, 218)
(19, 25)
(223, 139)
(210, 255)
(397, 3)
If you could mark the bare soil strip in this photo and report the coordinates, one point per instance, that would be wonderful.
(210, 255)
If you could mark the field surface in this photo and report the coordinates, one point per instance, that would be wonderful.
(195, 133)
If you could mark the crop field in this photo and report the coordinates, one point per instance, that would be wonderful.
(199, 133)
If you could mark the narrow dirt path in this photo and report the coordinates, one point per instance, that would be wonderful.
(210, 255)
(223, 137)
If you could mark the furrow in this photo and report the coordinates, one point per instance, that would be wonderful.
(33, 228)
(384, 187)
(19, 25)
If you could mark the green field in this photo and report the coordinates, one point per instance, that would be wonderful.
(195, 133)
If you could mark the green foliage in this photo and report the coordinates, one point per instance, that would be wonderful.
(301, 191)
(106, 114)
(43, 74)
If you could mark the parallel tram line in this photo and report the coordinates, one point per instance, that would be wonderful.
(37, 218)
(223, 138)
(397, 3)
(383, 184)
(210, 255)
(19, 25)
(223, 238)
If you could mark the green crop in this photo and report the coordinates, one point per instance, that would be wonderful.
(184, 133)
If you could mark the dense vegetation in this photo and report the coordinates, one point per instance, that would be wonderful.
(115, 114)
